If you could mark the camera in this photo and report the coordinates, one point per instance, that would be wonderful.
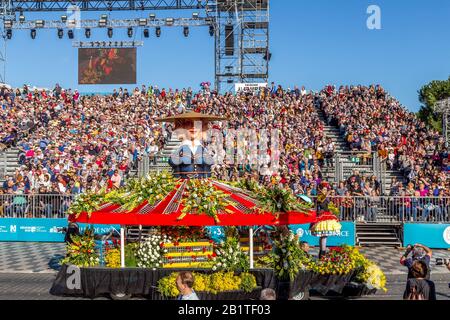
(442, 261)
(63, 229)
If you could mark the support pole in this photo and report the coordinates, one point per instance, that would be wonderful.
(122, 246)
(250, 238)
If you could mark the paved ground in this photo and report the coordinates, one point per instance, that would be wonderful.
(26, 257)
(36, 286)
(27, 271)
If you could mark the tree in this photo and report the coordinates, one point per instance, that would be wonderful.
(429, 94)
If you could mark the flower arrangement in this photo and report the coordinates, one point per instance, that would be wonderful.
(152, 188)
(210, 283)
(202, 198)
(87, 202)
(112, 258)
(230, 257)
(336, 261)
(372, 277)
(287, 258)
(275, 200)
(151, 251)
(81, 252)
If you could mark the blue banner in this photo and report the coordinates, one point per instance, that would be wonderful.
(35, 230)
(435, 236)
(42, 229)
(347, 235)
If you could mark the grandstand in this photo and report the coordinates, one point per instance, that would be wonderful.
(61, 147)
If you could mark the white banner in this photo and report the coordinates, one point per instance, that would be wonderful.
(249, 87)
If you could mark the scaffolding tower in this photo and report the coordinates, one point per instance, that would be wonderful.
(443, 107)
(241, 42)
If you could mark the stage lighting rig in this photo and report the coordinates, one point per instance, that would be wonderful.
(158, 32)
(60, 33)
(146, 33)
(130, 32)
(186, 31)
(33, 33)
(70, 34)
(87, 33)
(110, 32)
(9, 34)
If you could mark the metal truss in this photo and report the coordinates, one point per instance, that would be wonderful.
(49, 6)
(113, 23)
(248, 61)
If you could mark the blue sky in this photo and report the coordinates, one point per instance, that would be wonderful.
(313, 43)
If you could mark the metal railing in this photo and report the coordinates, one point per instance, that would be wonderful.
(34, 205)
(392, 209)
(359, 209)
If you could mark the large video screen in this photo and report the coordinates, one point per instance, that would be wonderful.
(107, 66)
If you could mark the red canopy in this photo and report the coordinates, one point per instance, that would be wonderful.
(167, 211)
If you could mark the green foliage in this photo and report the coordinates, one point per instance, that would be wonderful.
(82, 251)
(429, 94)
(203, 198)
(287, 257)
(153, 188)
(248, 282)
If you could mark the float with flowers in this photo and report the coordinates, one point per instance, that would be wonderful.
(179, 207)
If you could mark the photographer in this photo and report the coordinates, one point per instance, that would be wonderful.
(414, 253)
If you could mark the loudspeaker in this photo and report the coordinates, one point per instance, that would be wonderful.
(229, 40)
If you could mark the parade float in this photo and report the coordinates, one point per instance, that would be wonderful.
(179, 207)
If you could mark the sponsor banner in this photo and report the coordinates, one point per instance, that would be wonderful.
(249, 87)
(34, 230)
(435, 236)
(347, 235)
(101, 228)
(42, 229)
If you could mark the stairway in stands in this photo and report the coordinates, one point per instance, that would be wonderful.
(378, 234)
(8, 162)
(339, 143)
(165, 154)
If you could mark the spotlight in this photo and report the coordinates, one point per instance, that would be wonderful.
(152, 16)
(146, 33)
(142, 22)
(8, 24)
(110, 32)
(21, 18)
(64, 19)
(60, 33)
(130, 32)
(103, 20)
(211, 30)
(70, 34)
(33, 33)
(87, 32)
(195, 15)
(169, 21)
(158, 32)
(39, 23)
(9, 34)
(186, 31)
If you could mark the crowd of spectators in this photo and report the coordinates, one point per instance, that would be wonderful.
(372, 121)
(70, 143)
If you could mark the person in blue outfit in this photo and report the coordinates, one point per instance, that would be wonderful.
(191, 160)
